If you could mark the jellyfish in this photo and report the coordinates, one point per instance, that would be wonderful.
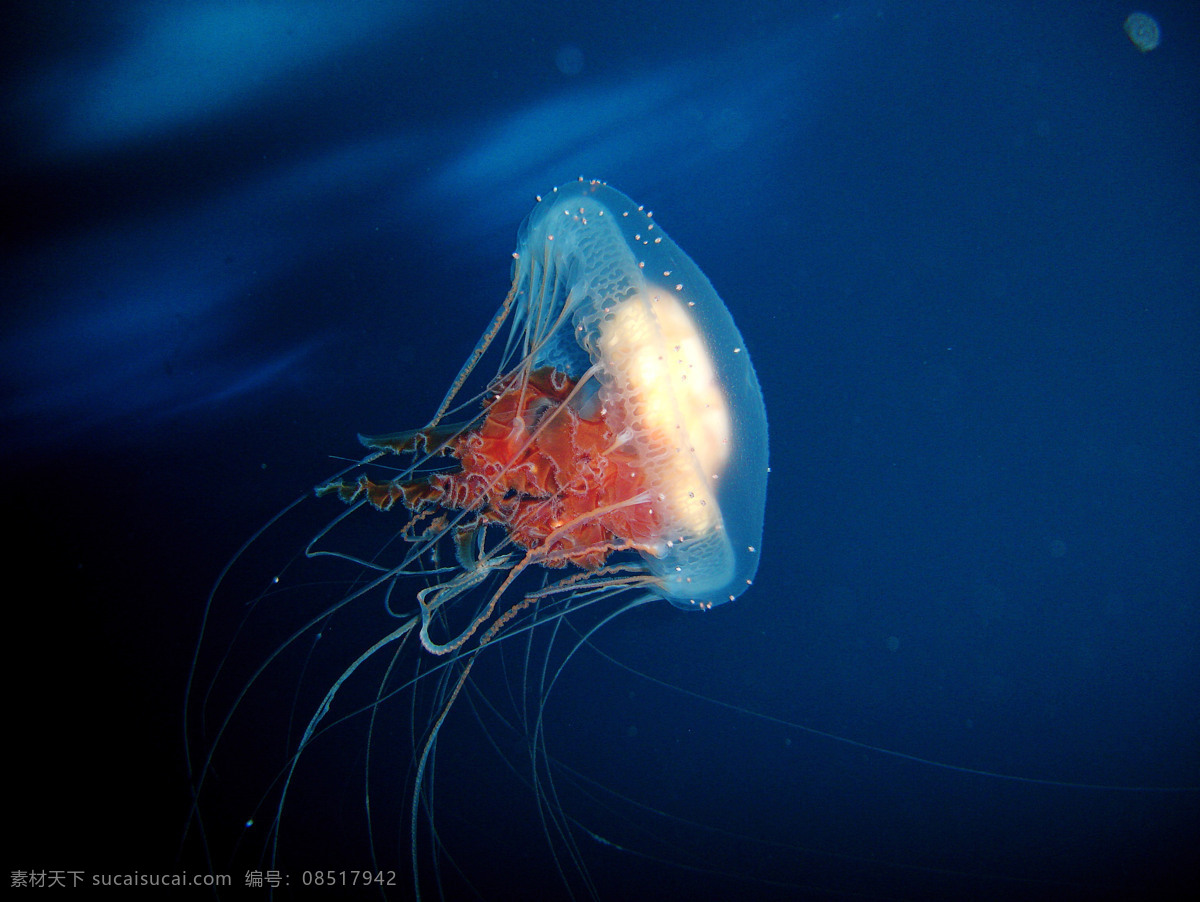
(615, 455)
(1143, 30)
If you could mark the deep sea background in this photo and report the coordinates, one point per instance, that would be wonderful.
(960, 241)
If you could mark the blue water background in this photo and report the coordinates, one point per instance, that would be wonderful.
(960, 241)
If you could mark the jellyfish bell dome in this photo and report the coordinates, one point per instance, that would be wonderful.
(673, 378)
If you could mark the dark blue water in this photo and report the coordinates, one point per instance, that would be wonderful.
(960, 243)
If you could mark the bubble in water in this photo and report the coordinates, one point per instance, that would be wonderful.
(1143, 30)
(569, 59)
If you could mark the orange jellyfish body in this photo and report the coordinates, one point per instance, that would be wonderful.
(535, 466)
